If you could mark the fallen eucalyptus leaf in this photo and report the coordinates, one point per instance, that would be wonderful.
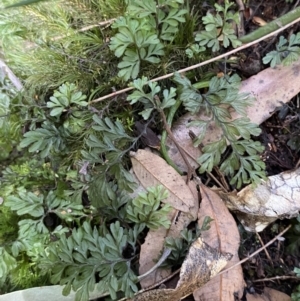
(256, 207)
(152, 170)
(201, 264)
(150, 251)
(223, 234)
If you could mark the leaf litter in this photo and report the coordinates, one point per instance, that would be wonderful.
(256, 207)
(148, 168)
(152, 170)
(202, 263)
(143, 162)
(223, 234)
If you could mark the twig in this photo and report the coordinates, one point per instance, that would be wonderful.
(277, 278)
(202, 63)
(83, 29)
(240, 26)
(256, 252)
(191, 170)
(266, 251)
(15, 81)
(159, 282)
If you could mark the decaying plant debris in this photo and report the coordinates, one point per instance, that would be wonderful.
(88, 87)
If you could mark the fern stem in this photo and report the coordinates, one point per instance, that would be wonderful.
(164, 136)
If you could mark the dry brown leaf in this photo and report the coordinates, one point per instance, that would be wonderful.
(269, 294)
(201, 264)
(151, 251)
(259, 21)
(278, 197)
(270, 87)
(152, 170)
(248, 13)
(224, 235)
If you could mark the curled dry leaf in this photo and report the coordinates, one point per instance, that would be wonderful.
(223, 235)
(256, 207)
(201, 264)
(152, 170)
(248, 13)
(271, 88)
(259, 21)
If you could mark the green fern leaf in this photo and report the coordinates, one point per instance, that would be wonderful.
(75, 261)
(145, 209)
(44, 140)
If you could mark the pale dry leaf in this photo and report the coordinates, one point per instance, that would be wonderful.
(152, 170)
(271, 88)
(180, 131)
(257, 206)
(151, 250)
(224, 235)
(269, 294)
(202, 263)
(259, 21)
(184, 219)
(154, 244)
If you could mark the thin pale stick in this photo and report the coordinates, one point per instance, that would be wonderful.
(277, 278)
(266, 251)
(256, 252)
(12, 77)
(83, 29)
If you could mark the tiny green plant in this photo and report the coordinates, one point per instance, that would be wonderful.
(145, 209)
(143, 33)
(287, 51)
(150, 100)
(77, 259)
(45, 139)
(218, 30)
(66, 98)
